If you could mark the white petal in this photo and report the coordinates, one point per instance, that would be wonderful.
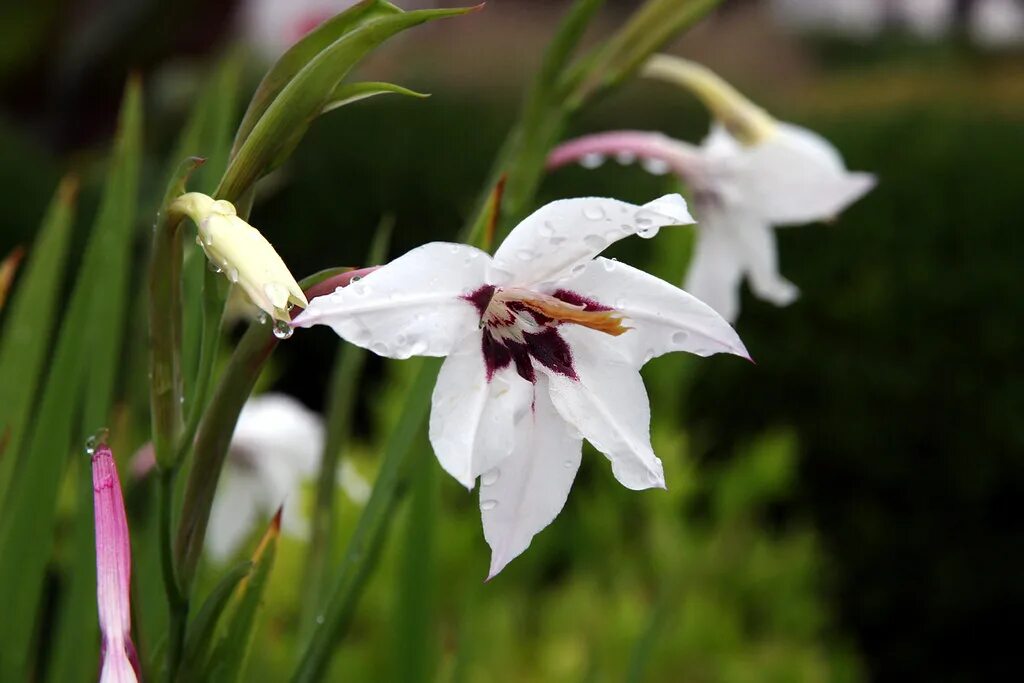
(797, 176)
(716, 268)
(410, 307)
(471, 418)
(661, 316)
(280, 427)
(553, 240)
(233, 514)
(760, 256)
(528, 490)
(608, 404)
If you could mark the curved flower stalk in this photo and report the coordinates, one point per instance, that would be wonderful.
(242, 253)
(751, 173)
(113, 571)
(543, 343)
(275, 449)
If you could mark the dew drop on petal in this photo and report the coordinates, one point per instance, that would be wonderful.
(282, 330)
(592, 160)
(233, 275)
(379, 348)
(610, 265)
(578, 268)
(593, 212)
(655, 166)
(526, 254)
(568, 464)
(488, 504)
(262, 318)
(625, 158)
(546, 230)
(490, 477)
(595, 242)
(214, 267)
(679, 337)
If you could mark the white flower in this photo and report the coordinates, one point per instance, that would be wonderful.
(276, 447)
(996, 24)
(242, 253)
(543, 344)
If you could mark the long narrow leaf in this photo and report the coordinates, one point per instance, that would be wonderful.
(202, 628)
(29, 324)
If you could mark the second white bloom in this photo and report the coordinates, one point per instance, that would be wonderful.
(543, 343)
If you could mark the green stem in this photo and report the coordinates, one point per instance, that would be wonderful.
(366, 542)
(177, 604)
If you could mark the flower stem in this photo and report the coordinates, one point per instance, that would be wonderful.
(368, 538)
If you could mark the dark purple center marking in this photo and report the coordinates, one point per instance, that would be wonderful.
(516, 334)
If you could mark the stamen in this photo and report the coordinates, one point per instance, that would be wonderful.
(608, 321)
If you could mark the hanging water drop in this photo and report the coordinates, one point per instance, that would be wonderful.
(282, 329)
(655, 166)
(490, 477)
(592, 160)
(625, 158)
(488, 505)
(96, 440)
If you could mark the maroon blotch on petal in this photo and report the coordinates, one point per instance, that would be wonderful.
(480, 298)
(496, 356)
(575, 299)
(551, 351)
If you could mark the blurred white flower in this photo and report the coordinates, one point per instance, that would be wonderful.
(996, 24)
(853, 18)
(275, 449)
(928, 19)
(273, 26)
(543, 343)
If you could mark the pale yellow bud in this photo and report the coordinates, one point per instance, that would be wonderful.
(242, 253)
(744, 120)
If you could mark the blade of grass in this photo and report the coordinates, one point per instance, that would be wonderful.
(202, 628)
(232, 651)
(368, 537)
(348, 368)
(29, 324)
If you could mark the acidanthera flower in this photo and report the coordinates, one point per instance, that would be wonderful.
(276, 448)
(242, 253)
(543, 343)
(750, 174)
(113, 571)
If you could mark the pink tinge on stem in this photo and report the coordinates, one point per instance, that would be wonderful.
(113, 571)
(675, 156)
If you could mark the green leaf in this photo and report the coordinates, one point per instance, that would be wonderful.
(347, 93)
(229, 657)
(26, 530)
(202, 628)
(370, 531)
(415, 630)
(300, 54)
(29, 324)
(305, 96)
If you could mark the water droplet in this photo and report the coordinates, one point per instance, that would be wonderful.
(418, 348)
(320, 619)
(593, 212)
(592, 160)
(214, 267)
(579, 268)
(648, 233)
(595, 242)
(546, 230)
(625, 158)
(96, 440)
(262, 318)
(655, 166)
(679, 337)
(568, 464)
(233, 275)
(208, 239)
(526, 255)
(488, 504)
(490, 477)
(282, 329)
(609, 265)
(379, 348)
(355, 278)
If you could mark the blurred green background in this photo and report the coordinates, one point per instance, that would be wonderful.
(845, 509)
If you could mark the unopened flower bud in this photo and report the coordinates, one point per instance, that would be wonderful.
(242, 253)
